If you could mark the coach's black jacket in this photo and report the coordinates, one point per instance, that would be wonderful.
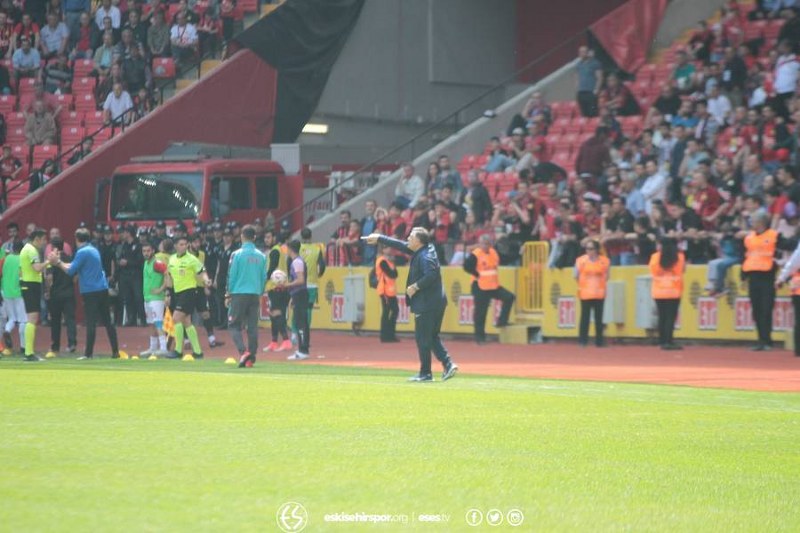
(425, 272)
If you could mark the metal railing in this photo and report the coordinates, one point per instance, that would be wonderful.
(430, 136)
(530, 281)
(125, 120)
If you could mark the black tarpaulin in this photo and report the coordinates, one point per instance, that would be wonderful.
(302, 40)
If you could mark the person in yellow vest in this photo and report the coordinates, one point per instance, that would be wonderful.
(758, 269)
(666, 267)
(484, 263)
(278, 296)
(314, 256)
(386, 272)
(591, 271)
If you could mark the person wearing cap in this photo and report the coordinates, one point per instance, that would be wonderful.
(159, 233)
(484, 263)
(129, 275)
(178, 231)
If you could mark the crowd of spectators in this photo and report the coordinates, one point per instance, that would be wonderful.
(718, 144)
(105, 50)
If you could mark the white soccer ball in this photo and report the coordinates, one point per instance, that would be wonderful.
(279, 277)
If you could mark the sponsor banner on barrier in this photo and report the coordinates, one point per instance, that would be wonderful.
(404, 312)
(707, 314)
(337, 308)
(264, 308)
(567, 311)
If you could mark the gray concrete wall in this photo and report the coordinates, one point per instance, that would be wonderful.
(683, 14)
(415, 62)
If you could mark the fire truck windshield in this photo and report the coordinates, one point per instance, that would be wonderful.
(154, 196)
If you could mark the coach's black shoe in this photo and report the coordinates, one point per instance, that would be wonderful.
(420, 378)
(115, 355)
(246, 360)
(758, 348)
(672, 347)
(216, 344)
(32, 358)
(71, 349)
(449, 371)
(197, 355)
(173, 355)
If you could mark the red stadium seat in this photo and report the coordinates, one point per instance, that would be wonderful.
(85, 102)
(576, 126)
(163, 68)
(559, 126)
(7, 104)
(248, 6)
(27, 85)
(93, 121)
(82, 68)
(43, 152)
(82, 86)
(16, 119)
(72, 119)
(71, 135)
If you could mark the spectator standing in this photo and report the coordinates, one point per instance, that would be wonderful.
(368, 226)
(594, 154)
(106, 9)
(590, 80)
(786, 74)
(477, 199)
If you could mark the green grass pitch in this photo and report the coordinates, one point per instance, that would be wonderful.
(172, 446)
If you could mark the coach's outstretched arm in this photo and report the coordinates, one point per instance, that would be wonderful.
(375, 238)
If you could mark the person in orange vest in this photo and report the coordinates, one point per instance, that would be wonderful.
(591, 271)
(666, 267)
(386, 273)
(759, 271)
(483, 264)
(791, 273)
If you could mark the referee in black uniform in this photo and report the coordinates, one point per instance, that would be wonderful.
(426, 299)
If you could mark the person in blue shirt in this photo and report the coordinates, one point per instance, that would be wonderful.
(426, 297)
(247, 276)
(94, 290)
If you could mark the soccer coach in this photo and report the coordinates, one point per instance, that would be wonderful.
(247, 275)
(426, 299)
